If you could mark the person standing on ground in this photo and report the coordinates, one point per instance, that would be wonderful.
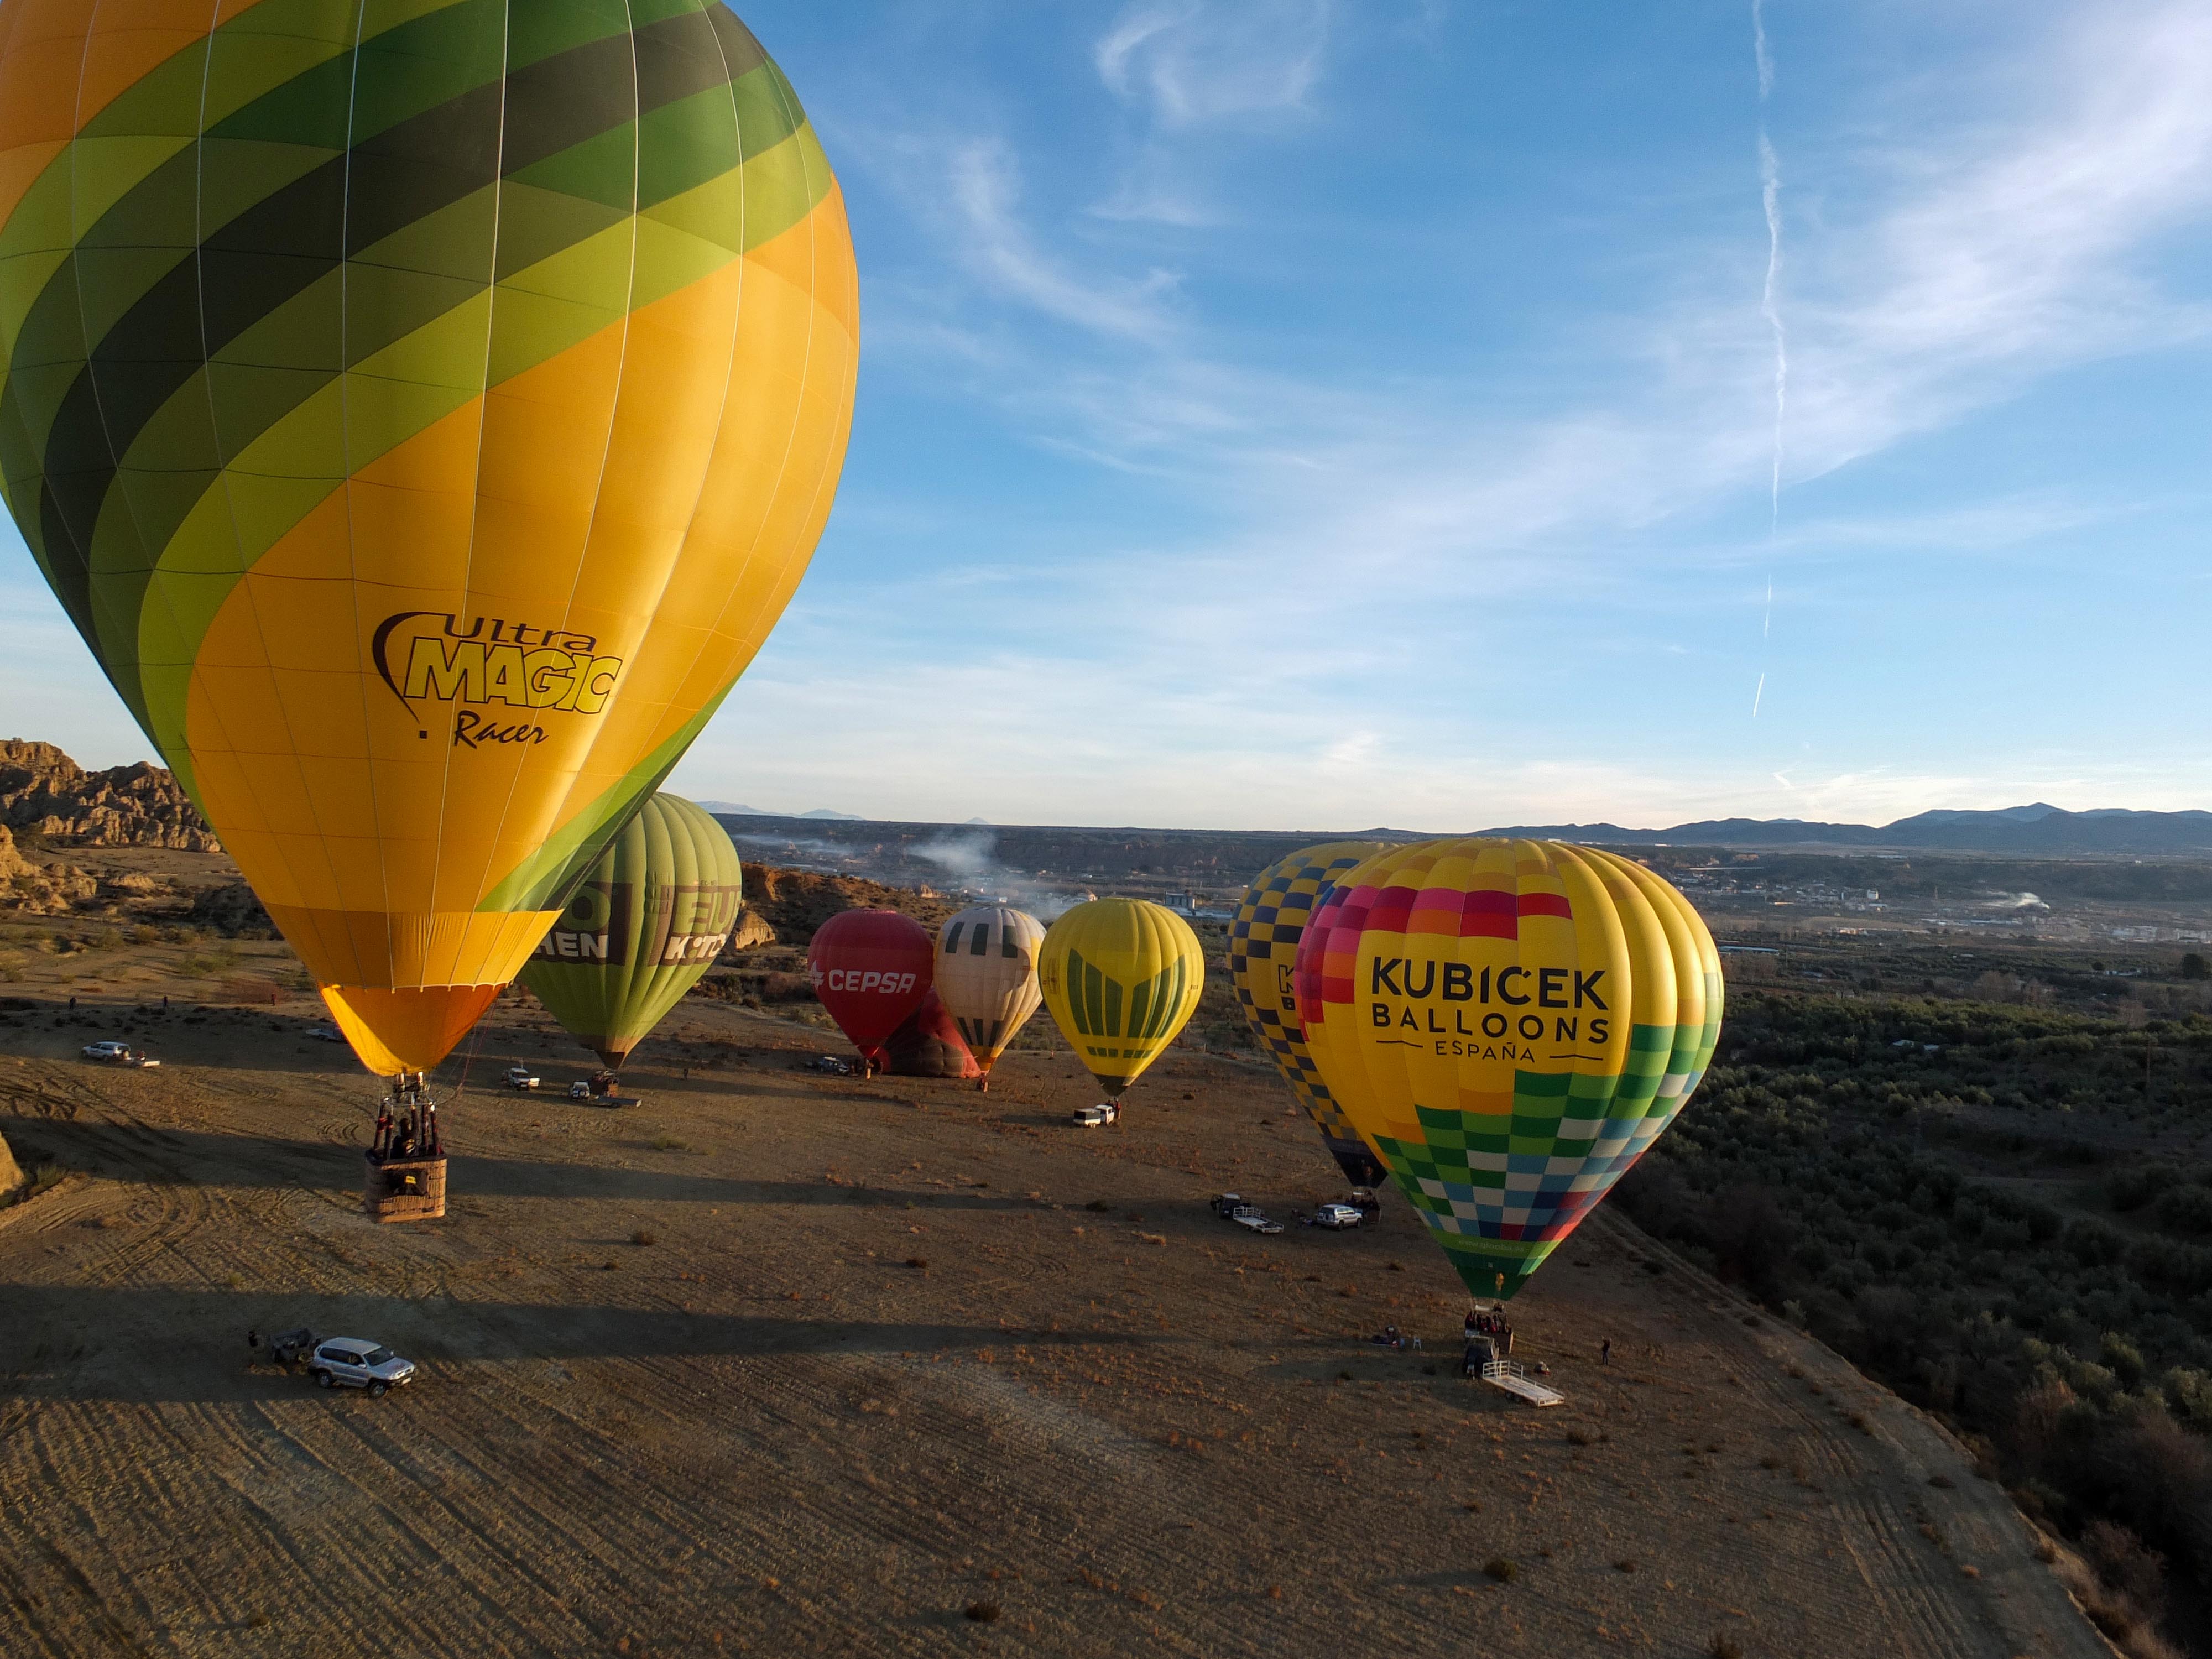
(1605, 1352)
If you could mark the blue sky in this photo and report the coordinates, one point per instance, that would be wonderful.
(1296, 414)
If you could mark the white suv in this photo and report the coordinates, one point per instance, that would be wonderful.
(353, 1362)
(106, 1051)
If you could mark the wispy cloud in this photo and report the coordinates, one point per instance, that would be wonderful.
(1202, 61)
(984, 189)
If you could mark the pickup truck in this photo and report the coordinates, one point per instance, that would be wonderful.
(1095, 1117)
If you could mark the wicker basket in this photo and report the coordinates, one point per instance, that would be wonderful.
(404, 1189)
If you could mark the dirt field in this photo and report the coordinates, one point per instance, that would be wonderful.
(791, 1363)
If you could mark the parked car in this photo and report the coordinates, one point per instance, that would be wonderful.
(325, 1034)
(117, 1054)
(354, 1362)
(521, 1077)
(1335, 1217)
(579, 1090)
(1095, 1117)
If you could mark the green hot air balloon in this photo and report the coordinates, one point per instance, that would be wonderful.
(652, 915)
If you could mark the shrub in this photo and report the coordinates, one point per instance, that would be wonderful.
(983, 1613)
(1502, 1569)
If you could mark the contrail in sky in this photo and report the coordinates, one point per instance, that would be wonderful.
(1769, 197)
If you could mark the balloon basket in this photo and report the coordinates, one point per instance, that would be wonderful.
(404, 1188)
(405, 1164)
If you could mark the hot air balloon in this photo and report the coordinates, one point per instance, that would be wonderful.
(648, 922)
(1122, 977)
(986, 975)
(423, 411)
(870, 969)
(927, 1043)
(1512, 1024)
(1263, 948)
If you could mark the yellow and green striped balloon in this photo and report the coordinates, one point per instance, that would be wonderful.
(424, 409)
(642, 928)
(1122, 977)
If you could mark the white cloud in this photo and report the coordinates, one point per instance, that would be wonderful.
(985, 193)
(1204, 61)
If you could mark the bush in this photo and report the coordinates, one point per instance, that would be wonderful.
(2186, 1209)
(1502, 1569)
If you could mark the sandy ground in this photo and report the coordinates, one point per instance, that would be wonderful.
(893, 1350)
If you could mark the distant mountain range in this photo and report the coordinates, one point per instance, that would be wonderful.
(735, 811)
(2037, 828)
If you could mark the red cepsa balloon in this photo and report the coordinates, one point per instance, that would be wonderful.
(870, 969)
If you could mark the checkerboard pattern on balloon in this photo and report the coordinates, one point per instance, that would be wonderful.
(1263, 942)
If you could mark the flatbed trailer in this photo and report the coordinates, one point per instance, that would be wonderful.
(1511, 1375)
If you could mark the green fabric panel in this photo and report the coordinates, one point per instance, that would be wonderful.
(542, 28)
(405, 71)
(536, 223)
(544, 880)
(655, 11)
(602, 169)
(683, 145)
(232, 174)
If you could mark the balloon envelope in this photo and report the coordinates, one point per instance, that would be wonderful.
(870, 969)
(1263, 949)
(649, 920)
(1122, 977)
(928, 1044)
(423, 411)
(986, 975)
(1512, 1024)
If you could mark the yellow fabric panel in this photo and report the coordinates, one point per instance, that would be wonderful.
(367, 1047)
(395, 1031)
(763, 509)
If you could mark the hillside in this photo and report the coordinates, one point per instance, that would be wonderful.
(2037, 830)
(43, 791)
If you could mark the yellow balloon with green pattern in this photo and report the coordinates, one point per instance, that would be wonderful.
(1510, 1024)
(424, 409)
(1122, 977)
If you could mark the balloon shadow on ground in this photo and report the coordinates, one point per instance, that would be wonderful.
(165, 1343)
(196, 1158)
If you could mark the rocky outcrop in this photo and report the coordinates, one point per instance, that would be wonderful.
(794, 902)
(232, 910)
(38, 889)
(753, 929)
(42, 789)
